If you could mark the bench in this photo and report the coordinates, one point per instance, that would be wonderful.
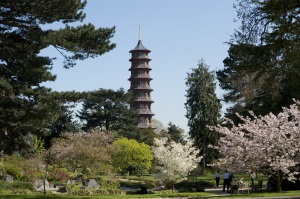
(258, 186)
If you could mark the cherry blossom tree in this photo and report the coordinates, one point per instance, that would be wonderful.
(269, 143)
(175, 159)
(82, 151)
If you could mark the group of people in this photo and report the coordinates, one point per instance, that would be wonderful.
(230, 182)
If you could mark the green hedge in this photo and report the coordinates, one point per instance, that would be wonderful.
(198, 186)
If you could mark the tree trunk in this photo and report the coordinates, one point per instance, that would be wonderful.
(203, 161)
(1, 144)
(45, 178)
(172, 187)
(278, 181)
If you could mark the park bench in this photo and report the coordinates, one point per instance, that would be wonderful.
(258, 186)
(243, 187)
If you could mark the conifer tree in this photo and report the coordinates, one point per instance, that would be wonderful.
(26, 106)
(203, 108)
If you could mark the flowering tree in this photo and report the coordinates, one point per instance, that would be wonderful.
(175, 159)
(84, 151)
(267, 143)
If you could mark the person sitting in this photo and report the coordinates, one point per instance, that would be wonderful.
(234, 185)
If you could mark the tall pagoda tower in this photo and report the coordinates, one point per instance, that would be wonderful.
(140, 84)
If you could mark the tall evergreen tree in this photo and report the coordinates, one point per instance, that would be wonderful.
(108, 110)
(203, 109)
(26, 106)
(262, 72)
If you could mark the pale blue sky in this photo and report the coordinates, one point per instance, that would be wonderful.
(179, 33)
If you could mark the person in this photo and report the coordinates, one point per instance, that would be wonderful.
(234, 185)
(217, 177)
(226, 183)
(252, 179)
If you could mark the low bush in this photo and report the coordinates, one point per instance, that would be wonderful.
(108, 192)
(80, 192)
(20, 185)
(187, 186)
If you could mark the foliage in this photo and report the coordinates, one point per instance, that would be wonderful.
(128, 153)
(81, 151)
(57, 174)
(188, 186)
(108, 110)
(261, 72)
(203, 108)
(16, 187)
(175, 159)
(26, 169)
(26, 105)
(64, 123)
(267, 143)
(157, 125)
(144, 135)
(176, 133)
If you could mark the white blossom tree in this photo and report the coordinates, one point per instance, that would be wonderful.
(269, 143)
(175, 159)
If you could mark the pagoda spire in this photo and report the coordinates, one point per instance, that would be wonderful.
(140, 83)
(140, 33)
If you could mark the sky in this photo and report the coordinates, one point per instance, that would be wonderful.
(178, 33)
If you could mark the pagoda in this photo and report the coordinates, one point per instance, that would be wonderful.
(140, 84)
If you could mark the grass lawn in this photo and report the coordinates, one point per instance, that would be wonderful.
(191, 195)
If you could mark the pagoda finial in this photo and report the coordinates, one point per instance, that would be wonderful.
(140, 33)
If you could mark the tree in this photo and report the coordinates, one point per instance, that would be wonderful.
(158, 126)
(269, 144)
(129, 155)
(82, 151)
(262, 68)
(175, 159)
(64, 123)
(26, 106)
(145, 135)
(176, 133)
(109, 110)
(203, 108)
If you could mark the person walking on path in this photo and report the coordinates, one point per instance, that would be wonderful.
(217, 177)
(226, 182)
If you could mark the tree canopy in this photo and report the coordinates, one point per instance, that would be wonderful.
(108, 110)
(268, 144)
(127, 155)
(202, 109)
(81, 151)
(175, 160)
(261, 72)
(26, 106)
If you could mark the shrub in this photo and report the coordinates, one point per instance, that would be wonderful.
(185, 186)
(108, 192)
(58, 175)
(13, 170)
(80, 192)
(109, 184)
(20, 186)
(21, 191)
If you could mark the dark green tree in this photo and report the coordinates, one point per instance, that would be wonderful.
(64, 123)
(109, 110)
(26, 106)
(176, 133)
(261, 72)
(203, 109)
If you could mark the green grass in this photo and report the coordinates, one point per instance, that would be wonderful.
(159, 195)
(292, 194)
(190, 195)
